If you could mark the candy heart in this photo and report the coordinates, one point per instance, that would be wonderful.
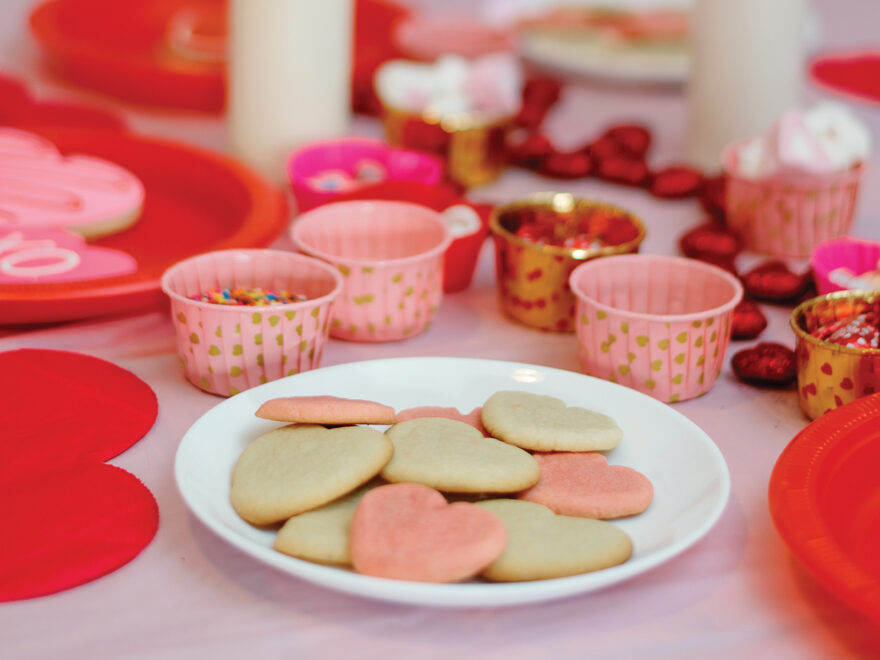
(40, 189)
(713, 196)
(676, 182)
(602, 148)
(454, 457)
(583, 484)
(31, 256)
(748, 320)
(542, 545)
(634, 139)
(570, 165)
(545, 423)
(623, 169)
(296, 468)
(410, 532)
(529, 149)
(767, 364)
(772, 281)
(712, 243)
(69, 527)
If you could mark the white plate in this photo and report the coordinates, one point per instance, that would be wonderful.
(690, 477)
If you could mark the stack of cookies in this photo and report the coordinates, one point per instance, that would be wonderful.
(515, 490)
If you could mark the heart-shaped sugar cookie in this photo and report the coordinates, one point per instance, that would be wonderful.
(545, 423)
(454, 457)
(40, 188)
(325, 409)
(542, 545)
(301, 467)
(472, 418)
(409, 532)
(321, 535)
(583, 484)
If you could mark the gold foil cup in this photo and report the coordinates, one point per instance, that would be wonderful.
(473, 147)
(830, 375)
(532, 278)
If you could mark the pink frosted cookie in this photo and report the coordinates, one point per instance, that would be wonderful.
(472, 418)
(40, 188)
(583, 484)
(409, 532)
(325, 409)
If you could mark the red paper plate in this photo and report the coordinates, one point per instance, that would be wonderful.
(825, 502)
(196, 201)
(855, 75)
(129, 49)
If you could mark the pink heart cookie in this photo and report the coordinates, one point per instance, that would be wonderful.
(43, 256)
(409, 532)
(40, 188)
(583, 484)
(472, 418)
(325, 409)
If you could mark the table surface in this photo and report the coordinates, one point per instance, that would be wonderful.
(736, 593)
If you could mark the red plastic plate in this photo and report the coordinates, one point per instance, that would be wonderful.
(196, 201)
(825, 502)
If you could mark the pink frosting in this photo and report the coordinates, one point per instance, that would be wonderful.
(41, 188)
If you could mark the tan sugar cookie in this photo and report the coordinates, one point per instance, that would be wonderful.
(301, 467)
(321, 535)
(453, 456)
(325, 409)
(544, 423)
(543, 545)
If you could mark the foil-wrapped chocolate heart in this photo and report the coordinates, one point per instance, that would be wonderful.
(633, 139)
(528, 149)
(627, 170)
(772, 281)
(748, 320)
(713, 196)
(712, 243)
(767, 364)
(571, 165)
(676, 182)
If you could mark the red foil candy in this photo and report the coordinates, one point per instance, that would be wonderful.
(603, 147)
(862, 331)
(634, 139)
(529, 151)
(676, 182)
(623, 169)
(712, 243)
(766, 364)
(713, 196)
(748, 320)
(772, 281)
(541, 92)
(572, 165)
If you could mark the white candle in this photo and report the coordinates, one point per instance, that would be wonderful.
(747, 59)
(289, 77)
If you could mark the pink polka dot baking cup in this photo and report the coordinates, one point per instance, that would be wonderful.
(660, 325)
(390, 255)
(225, 349)
(787, 215)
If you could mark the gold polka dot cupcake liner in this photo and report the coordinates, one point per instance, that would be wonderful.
(225, 349)
(660, 325)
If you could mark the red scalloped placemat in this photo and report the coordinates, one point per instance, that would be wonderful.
(67, 517)
(855, 74)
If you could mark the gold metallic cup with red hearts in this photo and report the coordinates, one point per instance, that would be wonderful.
(532, 277)
(830, 375)
(473, 147)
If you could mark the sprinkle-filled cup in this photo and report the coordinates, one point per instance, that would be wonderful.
(657, 324)
(390, 255)
(225, 349)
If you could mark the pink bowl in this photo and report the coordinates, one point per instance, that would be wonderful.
(660, 325)
(225, 349)
(788, 215)
(390, 255)
(345, 155)
(859, 256)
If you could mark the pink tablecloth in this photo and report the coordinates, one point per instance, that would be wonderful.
(738, 593)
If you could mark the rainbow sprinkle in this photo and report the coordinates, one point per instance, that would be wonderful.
(254, 297)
